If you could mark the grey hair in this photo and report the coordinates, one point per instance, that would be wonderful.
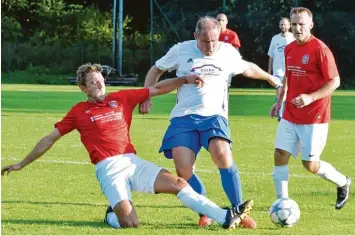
(206, 21)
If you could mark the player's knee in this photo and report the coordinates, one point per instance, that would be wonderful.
(184, 172)
(281, 157)
(311, 166)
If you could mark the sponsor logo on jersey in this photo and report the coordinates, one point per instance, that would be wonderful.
(206, 69)
(113, 104)
(305, 59)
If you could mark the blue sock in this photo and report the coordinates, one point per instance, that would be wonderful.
(231, 184)
(197, 185)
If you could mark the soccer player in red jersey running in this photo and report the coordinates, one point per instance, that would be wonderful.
(103, 122)
(311, 78)
(226, 35)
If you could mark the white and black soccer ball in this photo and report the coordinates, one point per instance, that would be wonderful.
(284, 212)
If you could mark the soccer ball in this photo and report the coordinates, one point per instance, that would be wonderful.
(284, 212)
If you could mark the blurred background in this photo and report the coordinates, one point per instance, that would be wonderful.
(45, 41)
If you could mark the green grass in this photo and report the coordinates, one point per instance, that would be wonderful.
(59, 193)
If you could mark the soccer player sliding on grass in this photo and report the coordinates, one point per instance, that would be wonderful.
(103, 122)
(311, 78)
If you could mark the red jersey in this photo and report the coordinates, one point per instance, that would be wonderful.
(104, 126)
(308, 67)
(229, 36)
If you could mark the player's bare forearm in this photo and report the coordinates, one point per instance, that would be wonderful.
(255, 72)
(166, 86)
(39, 149)
(327, 89)
(153, 76)
(169, 85)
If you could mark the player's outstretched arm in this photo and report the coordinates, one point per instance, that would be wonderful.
(169, 85)
(255, 72)
(151, 78)
(41, 147)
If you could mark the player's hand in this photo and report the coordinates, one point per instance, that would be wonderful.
(194, 79)
(145, 106)
(275, 82)
(302, 100)
(8, 169)
(275, 109)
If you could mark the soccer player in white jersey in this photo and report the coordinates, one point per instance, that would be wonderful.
(276, 53)
(200, 116)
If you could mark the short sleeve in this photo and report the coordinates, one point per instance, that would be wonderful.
(133, 96)
(170, 60)
(67, 124)
(327, 64)
(271, 48)
(236, 42)
(238, 65)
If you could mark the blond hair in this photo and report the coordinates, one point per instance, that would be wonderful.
(84, 70)
(299, 10)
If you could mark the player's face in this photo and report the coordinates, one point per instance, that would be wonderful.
(222, 20)
(94, 88)
(301, 25)
(207, 41)
(284, 25)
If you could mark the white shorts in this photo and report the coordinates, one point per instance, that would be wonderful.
(120, 175)
(307, 139)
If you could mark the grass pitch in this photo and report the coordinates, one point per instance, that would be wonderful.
(59, 193)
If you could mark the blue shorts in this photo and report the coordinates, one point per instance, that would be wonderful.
(193, 132)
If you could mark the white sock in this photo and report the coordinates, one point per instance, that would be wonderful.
(328, 172)
(201, 204)
(280, 175)
(112, 220)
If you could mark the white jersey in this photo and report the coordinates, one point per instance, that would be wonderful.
(212, 98)
(276, 51)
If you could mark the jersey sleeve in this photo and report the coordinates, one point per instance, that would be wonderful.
(236, 42)
(67, 124)
(327, 64)
(271, 48)
(238, 64)
(170, 60)
(134, 96)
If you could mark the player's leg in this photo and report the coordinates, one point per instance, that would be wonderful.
(111, 174)
(286, 144)
(181, 143)
(215, 137)
(184, 160)
(167, 183)
(149, 178)
(313, 138)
